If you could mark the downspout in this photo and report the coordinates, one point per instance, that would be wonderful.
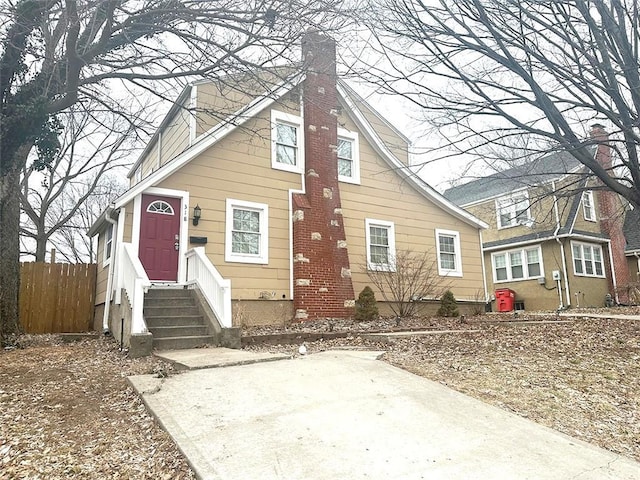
(613, 273)
(484, 272)
(112, 267)
(564, 260)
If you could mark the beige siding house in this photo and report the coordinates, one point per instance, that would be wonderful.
(555, 237)
(276, 209)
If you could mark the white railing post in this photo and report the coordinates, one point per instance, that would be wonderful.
(135, 282)
(215, 289)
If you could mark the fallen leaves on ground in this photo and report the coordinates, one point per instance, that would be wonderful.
(66, 411)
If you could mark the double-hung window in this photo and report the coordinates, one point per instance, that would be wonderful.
(448, 252)
(381, 245)
(587, 259)
(513, 210)
(246, 236)
(348, 156)
(588, 209)
(108, 242)
(521, 264)
(286, 142)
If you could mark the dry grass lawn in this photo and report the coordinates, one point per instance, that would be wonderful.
(66, 410)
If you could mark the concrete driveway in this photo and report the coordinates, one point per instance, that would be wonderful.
(346, 415)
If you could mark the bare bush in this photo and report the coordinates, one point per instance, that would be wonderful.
(410, 278)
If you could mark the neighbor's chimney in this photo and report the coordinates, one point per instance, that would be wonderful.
(321, 272)
(611, 214)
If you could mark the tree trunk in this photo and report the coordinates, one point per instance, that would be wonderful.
(10, 248)
(9, 256)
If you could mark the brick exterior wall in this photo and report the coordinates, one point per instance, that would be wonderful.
(322, 277)
(612, 220)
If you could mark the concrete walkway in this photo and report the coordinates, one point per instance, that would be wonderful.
(345, 415)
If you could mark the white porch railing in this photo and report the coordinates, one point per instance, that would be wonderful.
(216, 290)
(135, 282)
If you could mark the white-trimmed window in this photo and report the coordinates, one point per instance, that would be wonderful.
(247, 232)
(287, 147)
(513, 210)
(521, 264)
(587, 259)
(588, 209)
(108, 242)
(348, 156)
(448, 250)
(381, 245)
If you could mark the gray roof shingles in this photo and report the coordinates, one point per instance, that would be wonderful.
(631, 230)
(535, 172)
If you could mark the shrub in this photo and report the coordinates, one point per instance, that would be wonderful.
(366, 306)
(448, 305)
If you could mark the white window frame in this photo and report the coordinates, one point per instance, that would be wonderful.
(278, 117)
(588, 207)
(508, 204)
(229, 254)
(106, 254)
(391, 235)
(525, 264)
(593, 247)
(457, 270)
(352, 137)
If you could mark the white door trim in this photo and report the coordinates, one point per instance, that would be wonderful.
(184, 224)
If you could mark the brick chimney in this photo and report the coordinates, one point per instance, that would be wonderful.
(611, 213)
(322, 276)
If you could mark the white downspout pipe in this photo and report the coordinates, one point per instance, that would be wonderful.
(112, 267)
(484, 272)
(562, 253)
(613, 273)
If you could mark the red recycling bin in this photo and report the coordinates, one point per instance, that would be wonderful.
(505, 300)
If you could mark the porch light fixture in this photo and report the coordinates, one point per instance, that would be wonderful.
(197, 212)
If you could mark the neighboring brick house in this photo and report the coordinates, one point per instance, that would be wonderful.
(631, 230)
(295, 194)
(552, 239)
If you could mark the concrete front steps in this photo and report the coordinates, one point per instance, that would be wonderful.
(175, 320)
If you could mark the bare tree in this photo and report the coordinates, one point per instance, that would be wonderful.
(486, 71)
(60, 202)
(57, 53)
(413, 276)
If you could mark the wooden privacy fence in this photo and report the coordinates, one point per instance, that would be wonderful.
(57, 297)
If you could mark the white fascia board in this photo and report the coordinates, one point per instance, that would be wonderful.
(423, 187)
(353, 94)
(206, 141)
(177, 105)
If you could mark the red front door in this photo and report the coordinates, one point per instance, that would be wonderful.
(160, 236)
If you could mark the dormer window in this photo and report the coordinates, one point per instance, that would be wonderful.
(513, 210)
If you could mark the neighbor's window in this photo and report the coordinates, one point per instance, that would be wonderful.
(513, 210)
(587, 206)
(521, 264)
(108, 241)
(587, 259)
(286, 141)
(381, 249)
(348, 156)
(246, 232)
(448, 250)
